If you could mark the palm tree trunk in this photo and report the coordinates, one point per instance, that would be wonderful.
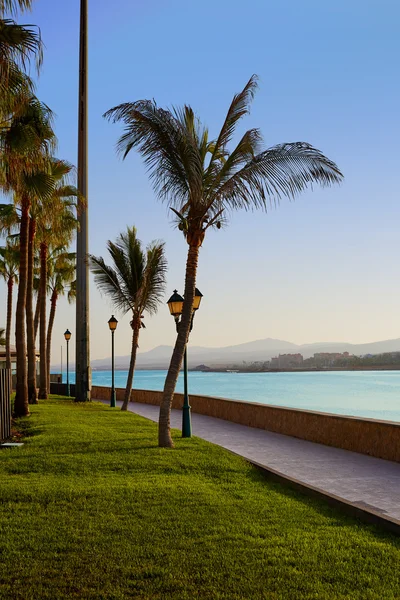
(21, 405)
(42, 325)
(10, 285)
(164, 429)
(37, 315)
(54, 297)
(32, 392)
(135, 343)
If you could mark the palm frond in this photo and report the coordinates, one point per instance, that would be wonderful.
(9, 219)
(72, 292)
(107, 281)
(18, 45)
(25, 144)
(155, 277)
(239, 107)
(9, 260)
(161, 140)
(123, 258)
(13, 6)
(282, 171)
(246, 150)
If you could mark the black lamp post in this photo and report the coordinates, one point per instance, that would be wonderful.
(175, 305)
(112, 323)
(67, 336)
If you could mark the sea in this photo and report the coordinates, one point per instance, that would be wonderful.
(371, 394)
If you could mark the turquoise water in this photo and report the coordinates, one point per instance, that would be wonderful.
(374, 394)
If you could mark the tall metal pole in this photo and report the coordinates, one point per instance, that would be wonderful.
(112, 399)
(61, 366)
(82, 356)
(68, 390)
(186, 420)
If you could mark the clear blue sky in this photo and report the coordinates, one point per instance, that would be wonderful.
(325, 268)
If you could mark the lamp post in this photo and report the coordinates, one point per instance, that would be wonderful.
(112, 323)
(67, 336)
(175, 305)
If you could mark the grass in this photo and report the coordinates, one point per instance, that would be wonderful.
(91, 508)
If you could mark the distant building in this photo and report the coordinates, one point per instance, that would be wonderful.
(287, 361)
(14, 359)
(327, 359)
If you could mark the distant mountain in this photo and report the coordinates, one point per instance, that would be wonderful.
(261, 350)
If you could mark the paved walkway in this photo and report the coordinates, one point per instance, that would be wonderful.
(367, 482)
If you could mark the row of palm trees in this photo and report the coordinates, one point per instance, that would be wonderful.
(41, 221)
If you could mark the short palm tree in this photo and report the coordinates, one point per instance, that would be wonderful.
(9, 262)
(202, 180)
(135, 284)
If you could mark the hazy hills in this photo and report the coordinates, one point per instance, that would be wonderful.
(159, 357)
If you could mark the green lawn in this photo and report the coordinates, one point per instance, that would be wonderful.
(91, 508)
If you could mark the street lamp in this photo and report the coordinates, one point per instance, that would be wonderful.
(112, 323)
(67, 336)
(175, 305)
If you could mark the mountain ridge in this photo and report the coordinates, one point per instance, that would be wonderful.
(257, 350)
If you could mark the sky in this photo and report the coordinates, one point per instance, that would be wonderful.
(322, 268)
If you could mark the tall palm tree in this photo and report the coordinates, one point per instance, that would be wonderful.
(135, 284)
(24, 150)
(9, 262)
(202, 180)
(61, 281)
(57, 226)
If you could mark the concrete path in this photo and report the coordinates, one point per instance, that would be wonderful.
(367, 482)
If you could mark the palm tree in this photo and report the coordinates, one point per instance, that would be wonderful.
(57, 226)
(9, 262)
(2, 337)
(61, 281)
(135, 283)
(24, 149)
(202, 180)
(30, 335)
(44, 214)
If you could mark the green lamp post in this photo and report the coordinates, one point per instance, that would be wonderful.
(175, 305)
(67, 336)
(112, 324)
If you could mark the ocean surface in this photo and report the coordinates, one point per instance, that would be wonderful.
(373, 394)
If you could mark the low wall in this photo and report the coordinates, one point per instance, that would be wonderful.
(367, 436)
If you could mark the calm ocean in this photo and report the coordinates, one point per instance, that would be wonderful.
(374, 394)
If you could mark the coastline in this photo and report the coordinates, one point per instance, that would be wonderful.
(310, 370)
